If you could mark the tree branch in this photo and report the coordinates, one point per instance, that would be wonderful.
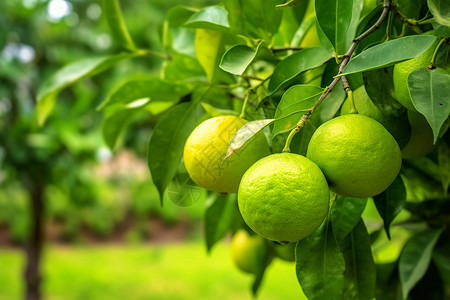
(347, 55)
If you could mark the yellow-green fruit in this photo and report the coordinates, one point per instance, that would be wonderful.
(363, 104)
(285, 252)
(246, 251)
(421, 140)
(283, 197)
(402, 71)
(205, 150)
(358, 156)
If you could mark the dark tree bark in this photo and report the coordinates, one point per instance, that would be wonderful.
(34, 246)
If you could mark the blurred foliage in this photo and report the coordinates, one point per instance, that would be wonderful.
(37, 38)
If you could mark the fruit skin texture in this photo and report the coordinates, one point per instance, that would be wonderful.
(205, 150)
(283, 197)
(421, 140)
(246, 251)
(358, 156)
(402, 71)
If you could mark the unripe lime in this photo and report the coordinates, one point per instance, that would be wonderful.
(285, 252)
(358, 156)
(402, 71)
(283, 197)
(421, 140)
(205, 150)
(246, 251)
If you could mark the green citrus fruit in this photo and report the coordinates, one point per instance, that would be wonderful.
(285, 252)
(358, 156)
(246, 251)
(402, 71)
(283, 197)
(205, 150)
(421, 140)
(363, 104)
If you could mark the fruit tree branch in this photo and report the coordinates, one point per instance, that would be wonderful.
(347, 55)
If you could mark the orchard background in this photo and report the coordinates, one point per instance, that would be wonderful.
(98, 98)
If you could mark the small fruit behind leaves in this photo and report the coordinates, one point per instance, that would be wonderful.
(205, 150)
(402, 71)
(284, 197)
(285, 252)
(421, 140)
(358, 156)
(248, 251)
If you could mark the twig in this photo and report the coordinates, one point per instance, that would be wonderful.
(411, 23)
(347, 55)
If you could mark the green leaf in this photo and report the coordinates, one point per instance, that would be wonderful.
(320, 265)
(208, 44)
(113, 14)
(175, 37)
(388, 284)
(297, 97)
(415, 258)
(388, 53)
(302, 138)
(360, 272)
(258, 19)
(216, 112)
(144, 87)
(338, 19)
(302, 30)
(183, 68)
(117, 119)
(295, 64)
(441, 258)
(444, 163)
(440, 9)
(114, 124)
(380, 88)
(219, 217)
(238, 58)
(67, 76)
(429, 91)
(441, 30)
(330, 106)
(212, 17)
(345, 215)
(263, 258)
(390, 202)
(165, 148)
(245, 133)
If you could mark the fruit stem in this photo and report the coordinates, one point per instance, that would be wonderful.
(244, 106)
(433, 58)
(351, 101)
(288, 141)
(297, 128)
(349, 93)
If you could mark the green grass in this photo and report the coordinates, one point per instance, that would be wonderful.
(176, 271)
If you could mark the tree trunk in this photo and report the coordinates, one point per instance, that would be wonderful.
(34, 246)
